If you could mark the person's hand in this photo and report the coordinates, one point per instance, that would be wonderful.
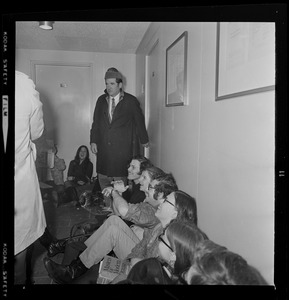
(70, 178)
(93, 148)
(80, 182)
(146, 145)
(118, 185)
(107, 191)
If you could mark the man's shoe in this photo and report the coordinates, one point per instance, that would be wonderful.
(56, 247)
(64, 274)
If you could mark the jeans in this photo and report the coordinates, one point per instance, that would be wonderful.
(113, 234)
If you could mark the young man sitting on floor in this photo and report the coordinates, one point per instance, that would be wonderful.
(141, 214)
(114, 234)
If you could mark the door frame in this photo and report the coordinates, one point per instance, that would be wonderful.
(154, 43)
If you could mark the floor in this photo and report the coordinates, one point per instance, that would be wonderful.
(59, 222)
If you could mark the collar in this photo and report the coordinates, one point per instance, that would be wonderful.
(120, 95)
(116, 98)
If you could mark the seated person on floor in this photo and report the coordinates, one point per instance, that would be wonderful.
(176, 248)
(132, 193)
(56, 173)
(79, 174)
(216, 265)
(114, 234)
(177, 205)
(136, 211)
(124, 198)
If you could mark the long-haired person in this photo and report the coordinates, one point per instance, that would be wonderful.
(178, 205)
(177, 247)
(78, 175)
(176, 250)
(216, 265)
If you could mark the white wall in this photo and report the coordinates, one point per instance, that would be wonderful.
(125, 63)
(222, 153)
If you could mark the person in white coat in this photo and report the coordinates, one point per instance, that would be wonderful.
(29, 216)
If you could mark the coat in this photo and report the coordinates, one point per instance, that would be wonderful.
(115, 141)
(29, 217)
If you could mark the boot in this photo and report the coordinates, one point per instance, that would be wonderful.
(62, 274)
(56, 247)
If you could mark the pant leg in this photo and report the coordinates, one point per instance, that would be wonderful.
(20, 267)
(46, 239)
(29, 267)
(114, 235)
(72, 251)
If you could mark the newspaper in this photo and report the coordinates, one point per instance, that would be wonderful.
(110, 267)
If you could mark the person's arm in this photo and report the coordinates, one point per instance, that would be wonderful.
(59, 163)
(120, 205)
(138, 251)
(95, 125)
(36, 119)
(142, 214)
(89, 171)
(93, 148)
(70, 172)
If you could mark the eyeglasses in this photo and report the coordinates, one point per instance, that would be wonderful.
(166, 200)
(162, 240)
(150, 187)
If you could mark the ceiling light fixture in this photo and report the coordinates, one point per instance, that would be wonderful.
(47, 25)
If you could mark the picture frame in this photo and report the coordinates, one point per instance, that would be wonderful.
(176, 72)
(245, 60)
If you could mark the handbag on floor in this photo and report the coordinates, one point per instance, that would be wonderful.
(79, 233)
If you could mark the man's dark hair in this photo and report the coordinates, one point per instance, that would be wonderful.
(166, 184)
(144, 162)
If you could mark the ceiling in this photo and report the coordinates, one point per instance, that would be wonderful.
(110, 37)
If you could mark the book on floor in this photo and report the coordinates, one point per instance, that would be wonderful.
(110, 267)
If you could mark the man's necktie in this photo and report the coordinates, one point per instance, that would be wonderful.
(112, 108)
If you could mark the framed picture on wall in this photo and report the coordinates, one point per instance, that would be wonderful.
(176, 71)
(245, 60)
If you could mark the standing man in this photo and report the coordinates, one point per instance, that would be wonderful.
(117, 119)
(29, 214)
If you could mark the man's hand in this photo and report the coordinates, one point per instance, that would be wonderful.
(118, 185)
(146, 145)
(93, 148)
(107, 191)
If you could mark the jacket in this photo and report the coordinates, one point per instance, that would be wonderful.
(115, 141)
(29, 215)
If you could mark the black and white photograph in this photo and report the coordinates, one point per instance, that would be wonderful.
(144, 151)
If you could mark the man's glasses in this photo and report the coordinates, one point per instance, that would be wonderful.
(166, 200)
(150, 187)
(162, 240)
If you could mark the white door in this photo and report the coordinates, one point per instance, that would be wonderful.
(153, 107)
(66, 92)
